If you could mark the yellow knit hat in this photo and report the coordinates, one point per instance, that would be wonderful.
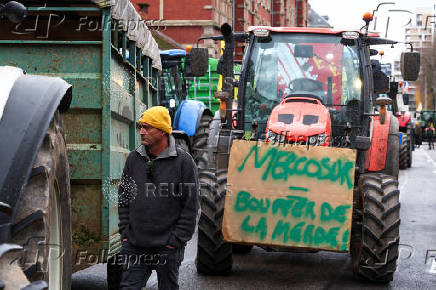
(157, 117)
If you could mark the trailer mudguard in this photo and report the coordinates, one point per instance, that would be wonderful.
(383, 153)
(188, 116)
(30, 107)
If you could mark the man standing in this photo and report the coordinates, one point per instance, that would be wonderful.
(157, 204)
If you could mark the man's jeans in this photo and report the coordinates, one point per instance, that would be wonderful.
(138, 264)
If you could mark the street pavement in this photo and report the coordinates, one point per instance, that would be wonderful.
(324, 270)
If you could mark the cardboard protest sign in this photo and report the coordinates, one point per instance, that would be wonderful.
(289, 195)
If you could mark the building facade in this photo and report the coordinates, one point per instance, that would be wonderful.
(422, 37)
(186, 21)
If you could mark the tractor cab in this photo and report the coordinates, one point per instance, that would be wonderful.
(308, 83)
(320, 77)
(172, 87)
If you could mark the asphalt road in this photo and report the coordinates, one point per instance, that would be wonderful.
(263, 270)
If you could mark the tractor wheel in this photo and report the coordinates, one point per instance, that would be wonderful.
(241, 249)
(214, 255)
(214, 130)
(410, 148)
(376, 228)
(11, 274)
(43, 220)
(404, 152)
(199, 144)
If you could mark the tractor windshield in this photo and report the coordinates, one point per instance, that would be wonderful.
(172, 84)
(322, 66)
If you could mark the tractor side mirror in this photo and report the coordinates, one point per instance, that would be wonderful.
(410, 64)
(381, 82)
(199, 61)
(305, 51)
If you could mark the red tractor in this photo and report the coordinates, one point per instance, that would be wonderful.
(315, 87)
(400, 108)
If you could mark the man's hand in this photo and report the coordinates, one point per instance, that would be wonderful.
(169, 247)
(125, 240)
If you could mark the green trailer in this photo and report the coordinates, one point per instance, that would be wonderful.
(107, 54)
(202, 88)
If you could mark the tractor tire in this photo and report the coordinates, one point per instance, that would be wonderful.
(410, 148)
(376, 228)
(241, 249)
(214, 255)
(11, 273)
(43, 220)
(405, 152)
(199, 143)
(214, 129)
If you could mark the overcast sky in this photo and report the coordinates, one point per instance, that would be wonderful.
(347, 14)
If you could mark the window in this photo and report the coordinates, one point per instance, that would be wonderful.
(418, 19)
(143, 7)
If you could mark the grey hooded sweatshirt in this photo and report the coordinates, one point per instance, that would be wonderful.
(158, 200)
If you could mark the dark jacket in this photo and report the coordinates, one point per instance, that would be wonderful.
(161, 211)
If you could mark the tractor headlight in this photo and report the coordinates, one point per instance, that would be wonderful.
(322, 138)
(313, 140)
(275, 138)
(317, 139)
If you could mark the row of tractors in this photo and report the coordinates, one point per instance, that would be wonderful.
(64, 142)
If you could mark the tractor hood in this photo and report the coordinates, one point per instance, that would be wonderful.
(299, 118)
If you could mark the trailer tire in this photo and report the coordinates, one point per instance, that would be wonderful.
(199, 143)
(376, 228)
(44, 213)
(214, 255)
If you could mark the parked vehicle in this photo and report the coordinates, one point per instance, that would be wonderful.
(313, 86)
(39, 137)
